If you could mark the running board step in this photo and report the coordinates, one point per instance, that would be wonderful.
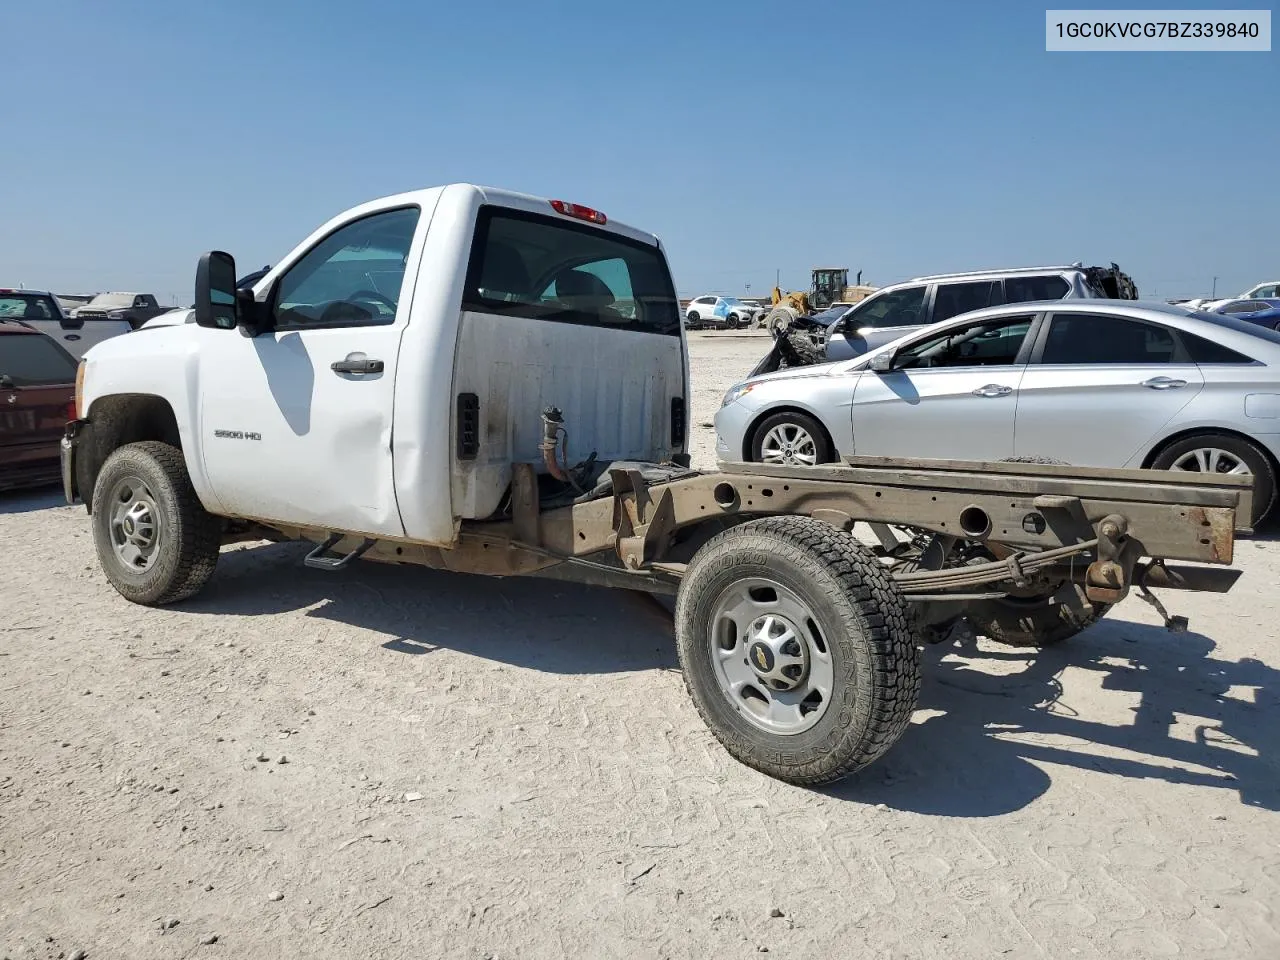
(321, 559)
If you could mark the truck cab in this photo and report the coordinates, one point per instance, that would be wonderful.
(386, 374)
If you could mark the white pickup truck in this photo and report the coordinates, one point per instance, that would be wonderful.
(407, 384)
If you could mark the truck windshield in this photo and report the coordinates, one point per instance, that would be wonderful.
(115, 300)
(542, 268)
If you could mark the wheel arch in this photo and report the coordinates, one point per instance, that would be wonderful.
(748, 435)
(119, 419)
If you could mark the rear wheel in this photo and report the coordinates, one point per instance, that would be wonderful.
(1224, 454)
(791, 438)
(155, 541)
(797, 649)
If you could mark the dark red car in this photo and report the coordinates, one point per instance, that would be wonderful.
(37, 398)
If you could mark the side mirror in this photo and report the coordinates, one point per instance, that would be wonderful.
(69, 322)
(215, 304)
(882, 362)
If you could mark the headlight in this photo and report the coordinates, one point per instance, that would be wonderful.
(736, 392)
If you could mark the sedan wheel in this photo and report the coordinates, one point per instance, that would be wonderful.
(1211, 460)
(1224, 454)
(789, 443)
(791, 439)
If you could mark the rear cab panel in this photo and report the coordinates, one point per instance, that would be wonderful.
(609, 353)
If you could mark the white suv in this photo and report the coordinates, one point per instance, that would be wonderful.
(717, 312)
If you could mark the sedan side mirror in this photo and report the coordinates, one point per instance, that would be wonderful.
(882, 362)
(215, 304)
(69, 322)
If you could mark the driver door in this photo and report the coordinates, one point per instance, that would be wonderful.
(296, 423)
(951, 395)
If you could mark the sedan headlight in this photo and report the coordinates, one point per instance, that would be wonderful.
(735, 392)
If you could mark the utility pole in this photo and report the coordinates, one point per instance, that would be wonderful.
(1214, 295)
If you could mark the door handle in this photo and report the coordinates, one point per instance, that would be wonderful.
(356, 363)
(993, 390)
(1163, 383)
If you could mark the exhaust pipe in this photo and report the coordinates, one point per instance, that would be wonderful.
(552, 426)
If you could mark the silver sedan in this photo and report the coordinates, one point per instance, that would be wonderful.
(1105, 383)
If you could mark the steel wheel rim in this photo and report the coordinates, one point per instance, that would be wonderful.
(789, 443)
(134, 525)
(771, 661)
(1211, 460)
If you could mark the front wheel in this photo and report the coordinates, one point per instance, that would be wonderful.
(155, 541)
(1222, 453)
(797, 649)
(791, 438)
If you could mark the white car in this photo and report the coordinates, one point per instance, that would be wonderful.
(1270, 290)
(1092, 383)
(717, 312)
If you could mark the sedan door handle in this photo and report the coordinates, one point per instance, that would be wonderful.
(1163, 383)
(356, 363)
(993, 390)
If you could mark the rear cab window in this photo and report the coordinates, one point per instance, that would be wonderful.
(542, 268)
(33, 360)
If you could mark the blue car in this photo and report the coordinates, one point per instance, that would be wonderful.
(1265, 313)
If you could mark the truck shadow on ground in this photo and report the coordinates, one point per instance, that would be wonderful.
(523, 621)
(31, 500)
(993, 723)
(998, 720)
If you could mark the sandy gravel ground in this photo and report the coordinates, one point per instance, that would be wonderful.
(396, 763)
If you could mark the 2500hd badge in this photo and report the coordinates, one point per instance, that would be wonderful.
(237, 435)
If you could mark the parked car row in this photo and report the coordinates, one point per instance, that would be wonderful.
(1082, 380)
(41, 343)
(41, 311)
(134, 308)
(37, 398)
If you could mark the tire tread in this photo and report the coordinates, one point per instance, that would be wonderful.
(890, 636)
(199, 533)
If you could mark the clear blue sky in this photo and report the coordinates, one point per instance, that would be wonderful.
(896, 138)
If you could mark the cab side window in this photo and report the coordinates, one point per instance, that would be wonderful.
(350, 278)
